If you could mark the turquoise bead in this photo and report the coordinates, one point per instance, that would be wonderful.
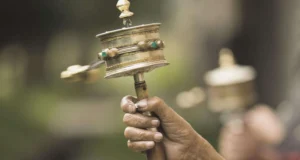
(154, 45)
(103, 54)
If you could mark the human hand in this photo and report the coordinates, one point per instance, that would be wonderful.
(180, 140)
(252, 137)
(236, 143)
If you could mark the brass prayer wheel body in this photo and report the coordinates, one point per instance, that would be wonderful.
(132, 50)
(231, 86)
(231, 97)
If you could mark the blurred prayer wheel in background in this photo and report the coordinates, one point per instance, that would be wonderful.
(231, 86)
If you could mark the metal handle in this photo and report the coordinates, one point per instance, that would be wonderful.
(157, 153)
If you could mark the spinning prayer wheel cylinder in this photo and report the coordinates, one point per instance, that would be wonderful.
(231, 86)
(132, 50)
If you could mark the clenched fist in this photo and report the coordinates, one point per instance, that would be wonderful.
(180, 141)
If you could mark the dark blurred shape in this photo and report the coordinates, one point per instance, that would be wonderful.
(260, 44)
(59, 149)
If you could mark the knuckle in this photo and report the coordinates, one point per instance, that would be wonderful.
(130, 145)
(127, 132)
(145, 146)
(140, 135)
(123, 106)
(127, 117)
(124, 102)
(156, 101)
(142, 120)
(133, 146)
(132, 120)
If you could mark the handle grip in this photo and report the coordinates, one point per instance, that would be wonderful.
(157, 153)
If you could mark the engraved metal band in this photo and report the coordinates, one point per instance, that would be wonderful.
(124, 64)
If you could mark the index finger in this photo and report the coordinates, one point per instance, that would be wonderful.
(127, 104)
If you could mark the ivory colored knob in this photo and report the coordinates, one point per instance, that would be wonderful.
(123, 6)
(112, 52)
(143, 45)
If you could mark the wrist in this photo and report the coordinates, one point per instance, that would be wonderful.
(204, 150)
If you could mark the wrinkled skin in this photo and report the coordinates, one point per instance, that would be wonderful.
(180, 140)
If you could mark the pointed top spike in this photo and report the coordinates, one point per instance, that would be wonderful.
(226, 58)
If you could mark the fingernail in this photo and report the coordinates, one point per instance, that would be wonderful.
(141, 105)
(150, 144)
(155, 123)
(158, 137)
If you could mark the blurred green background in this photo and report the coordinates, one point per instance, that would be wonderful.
(42, 117)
